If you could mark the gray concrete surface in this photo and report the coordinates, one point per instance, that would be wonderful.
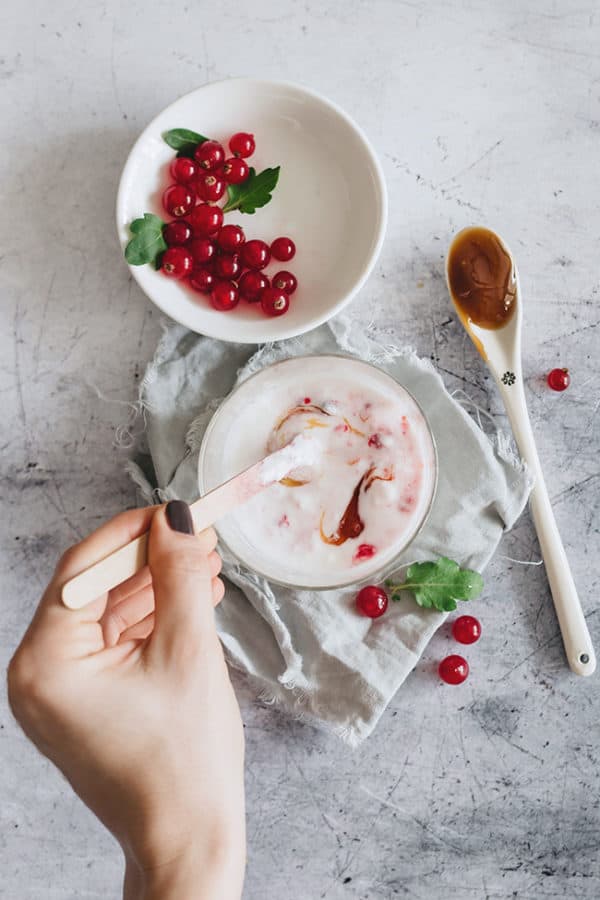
(481, 112)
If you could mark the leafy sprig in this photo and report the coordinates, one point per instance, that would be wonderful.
(252, 193)
(438, 584)
(183, 140)
(147, 243)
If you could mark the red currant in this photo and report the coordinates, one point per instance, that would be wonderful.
(177, 262)
(242, 144)
(230, 238)
(372, 601)
(283, 249)
(209, 155)
(453, 669)
(255, 254)
(466, 629)
(202, 280)
(274, 302)
(235, 170)
(205, 220)
(286, 282)
(177, 233)
(202, 250)
(183, 170)
(252, 284)
(365, 551)
(559, 379)
(210, 186)
(228, 266)
(178, 200)
(224, 295)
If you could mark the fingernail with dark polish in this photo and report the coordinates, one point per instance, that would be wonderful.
(179, 516)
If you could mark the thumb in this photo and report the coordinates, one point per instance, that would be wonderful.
(181, 579)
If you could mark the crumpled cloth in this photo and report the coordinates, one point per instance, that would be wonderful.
(308, 651)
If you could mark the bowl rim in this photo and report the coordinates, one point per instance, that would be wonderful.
(391, 565)
(381, 207)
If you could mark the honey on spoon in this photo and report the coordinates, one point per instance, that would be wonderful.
(482, 278)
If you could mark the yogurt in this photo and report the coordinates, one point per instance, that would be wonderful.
(364, 487)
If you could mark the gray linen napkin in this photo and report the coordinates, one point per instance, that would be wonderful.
(307, 650)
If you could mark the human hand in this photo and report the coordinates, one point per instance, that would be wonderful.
(130, 697)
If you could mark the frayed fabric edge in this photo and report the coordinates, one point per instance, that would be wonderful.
(195, 433)
(141, 482)
(349, 734)
(152, 495)
(171, 334)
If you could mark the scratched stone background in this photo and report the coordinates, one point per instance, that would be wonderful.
(481, 112)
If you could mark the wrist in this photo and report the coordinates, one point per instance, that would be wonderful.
(203, 871)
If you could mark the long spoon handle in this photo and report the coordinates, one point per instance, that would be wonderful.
(575, 634)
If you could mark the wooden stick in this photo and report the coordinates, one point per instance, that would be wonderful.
(125, 562)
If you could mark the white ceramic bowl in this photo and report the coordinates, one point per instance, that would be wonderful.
(331, 200)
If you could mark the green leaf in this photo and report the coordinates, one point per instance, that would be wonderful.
(183, 140)
(253, 193)
(439, 584)
(147, 242)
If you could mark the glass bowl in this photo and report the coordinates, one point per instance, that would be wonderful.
(236, 437)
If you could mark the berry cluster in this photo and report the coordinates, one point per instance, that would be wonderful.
(215, 258)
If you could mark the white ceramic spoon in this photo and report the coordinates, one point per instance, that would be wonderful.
(501, 350)
(129, 559)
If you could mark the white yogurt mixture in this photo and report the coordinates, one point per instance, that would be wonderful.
(365, 492)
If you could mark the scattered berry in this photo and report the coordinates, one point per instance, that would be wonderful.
(283, 249)
(178, 200)
(183, 170)
(206, 220)
(177, 262)
(252, 284)
(224, 295)
(255, 254)
(209, 155)
(453, 669)
(274, 302)
(202, 279)
(466, 629)
(230, 238)
(559, 379)
(285, 281)
(177, 233)
(372, 601)
(242, 144)
(228, 266)
(202, 249)
(235, 170)
(210, 186)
